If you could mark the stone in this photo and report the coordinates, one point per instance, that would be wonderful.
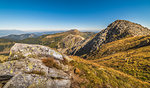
(27, 71)
(28, 50)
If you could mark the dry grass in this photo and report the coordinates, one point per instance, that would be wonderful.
(100, 76)
(135, 62)
(50, 62)
(119, 46)
(3, 58)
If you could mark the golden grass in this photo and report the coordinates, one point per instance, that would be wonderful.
(101, 76)
(135, 62)
(3, 58)
(120, 45)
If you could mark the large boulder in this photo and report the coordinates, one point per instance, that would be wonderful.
(28, 50)
(25, 68)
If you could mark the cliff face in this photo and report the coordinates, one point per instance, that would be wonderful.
(34, 66)
(115, 31)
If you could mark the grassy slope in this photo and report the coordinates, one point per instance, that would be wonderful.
(120, 45)
(130, 55)
(5, 46)
(93, 75)
(135, 62)
(53, 39)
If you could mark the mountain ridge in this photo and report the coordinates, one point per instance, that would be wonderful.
(115, 31)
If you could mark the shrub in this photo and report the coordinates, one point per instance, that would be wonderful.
(50, 62)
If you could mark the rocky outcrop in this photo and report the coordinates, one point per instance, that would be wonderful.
(26, 50)
(69, 41)
(115, 31)
(25, 68)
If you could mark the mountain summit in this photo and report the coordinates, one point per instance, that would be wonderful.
(115, 31)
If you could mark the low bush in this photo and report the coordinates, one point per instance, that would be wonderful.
(50, 62)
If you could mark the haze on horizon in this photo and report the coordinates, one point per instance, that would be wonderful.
(53, 15)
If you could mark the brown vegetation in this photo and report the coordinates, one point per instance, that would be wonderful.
(50, 62)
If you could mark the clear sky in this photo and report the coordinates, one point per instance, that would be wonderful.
(31, 15)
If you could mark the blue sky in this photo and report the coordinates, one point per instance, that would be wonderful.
(41, 15)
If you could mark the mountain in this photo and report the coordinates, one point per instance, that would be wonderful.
(129, 55)
(25, 35)
(116, 57)
(62, 41)
(19, 37)
(45, 32)
(123, 48)
(115, 31)
(8, 32)
(32, 66)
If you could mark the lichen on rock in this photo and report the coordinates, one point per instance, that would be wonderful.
(27, 70)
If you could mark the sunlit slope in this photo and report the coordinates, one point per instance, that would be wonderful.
(93, 75)
(130, 55)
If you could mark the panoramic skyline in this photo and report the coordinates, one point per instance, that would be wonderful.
(52, 15)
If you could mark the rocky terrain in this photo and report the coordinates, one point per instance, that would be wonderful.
(24, 68)
(36, 66)
(116, 57)
(115, 31)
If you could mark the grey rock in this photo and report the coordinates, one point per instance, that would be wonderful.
(115, 31)
(27, 71)
(35, 81)
(28, 50)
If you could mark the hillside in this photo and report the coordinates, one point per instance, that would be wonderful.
(116, 57)
(115, 31)
(28, 63)
(129, 55)
(93, 75)
(61, 41)
(119, 46)
(5, 46)
(127, 52)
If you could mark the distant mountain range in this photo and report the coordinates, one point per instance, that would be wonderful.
(20, 35)
(8, 32)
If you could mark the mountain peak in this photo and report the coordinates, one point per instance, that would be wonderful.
(74, 31)
(124, 28)
(117, 30)
(125, 22)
